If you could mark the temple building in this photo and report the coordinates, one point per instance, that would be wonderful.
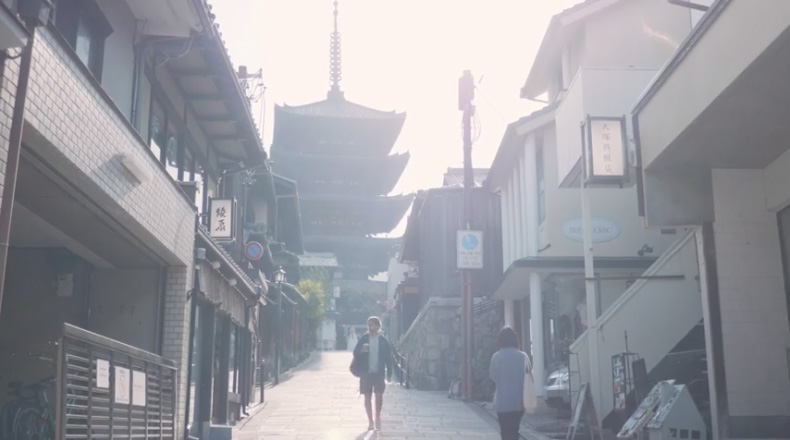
(339, 153)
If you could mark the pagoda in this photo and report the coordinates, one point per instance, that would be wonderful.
(339, 153)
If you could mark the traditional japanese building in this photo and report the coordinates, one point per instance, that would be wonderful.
(339, 153)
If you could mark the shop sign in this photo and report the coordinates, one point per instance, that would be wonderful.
(221, 219)
(603, 230)
(605, 151)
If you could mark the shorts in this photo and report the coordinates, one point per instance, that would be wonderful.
(370, 383)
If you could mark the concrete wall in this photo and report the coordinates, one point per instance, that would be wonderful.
(614, 204)
(703, 75)
(119, 63)
(609, 92)
(85, 147)
(126, 306)
(635, 34)
(752, 293)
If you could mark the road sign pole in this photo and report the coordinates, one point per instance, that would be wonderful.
(466, 91)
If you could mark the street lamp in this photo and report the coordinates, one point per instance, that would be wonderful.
(279, 279)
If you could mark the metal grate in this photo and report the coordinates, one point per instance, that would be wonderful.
(109, 390)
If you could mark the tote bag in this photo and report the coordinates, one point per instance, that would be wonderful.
(530, 398)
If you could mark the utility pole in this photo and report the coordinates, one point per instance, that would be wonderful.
(466, 94)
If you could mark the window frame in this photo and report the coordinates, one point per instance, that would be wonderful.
(69, 15)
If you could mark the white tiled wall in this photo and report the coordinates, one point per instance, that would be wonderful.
(751, 287)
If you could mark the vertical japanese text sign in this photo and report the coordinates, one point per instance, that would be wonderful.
(605, 150)
(221, 219)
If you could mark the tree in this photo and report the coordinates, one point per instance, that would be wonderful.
(313, 291)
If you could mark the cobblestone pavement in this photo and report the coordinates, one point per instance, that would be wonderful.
(320, 400)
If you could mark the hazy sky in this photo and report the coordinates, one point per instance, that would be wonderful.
(403, 55)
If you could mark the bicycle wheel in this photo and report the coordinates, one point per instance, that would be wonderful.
(27, 425)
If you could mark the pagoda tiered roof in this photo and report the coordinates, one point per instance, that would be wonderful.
(352, 215)
(336, 125)
(338, 108)
(346, 174)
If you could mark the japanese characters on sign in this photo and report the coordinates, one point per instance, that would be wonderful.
(606, 149)
(221, 221)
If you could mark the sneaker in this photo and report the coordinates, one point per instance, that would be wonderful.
(370, 425)
(378, 424)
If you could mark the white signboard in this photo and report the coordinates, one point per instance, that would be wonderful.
(121, 394)
(469, 247)
(138, 388)
(102, 374)
(606, 149)
(221, 218)
(603, 230)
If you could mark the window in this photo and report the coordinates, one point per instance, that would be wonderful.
(173, 154)
(85, 28)
(156, 129)
(540, 178)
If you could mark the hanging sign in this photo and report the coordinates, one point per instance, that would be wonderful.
(605, 150)
(469, 247)
(619, 382)
(221, 219)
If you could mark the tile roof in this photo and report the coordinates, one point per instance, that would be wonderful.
(338, 108)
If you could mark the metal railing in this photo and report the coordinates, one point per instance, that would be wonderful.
(109, 390)
(401, 364)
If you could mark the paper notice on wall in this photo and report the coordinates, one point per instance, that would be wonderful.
(102, 374)
(138, 388)
(121, 394)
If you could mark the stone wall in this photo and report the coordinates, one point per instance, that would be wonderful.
(434, 342)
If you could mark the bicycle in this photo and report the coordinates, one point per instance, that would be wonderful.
(29, 416)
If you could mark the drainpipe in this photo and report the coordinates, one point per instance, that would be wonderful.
(193, 298)
(14, 150)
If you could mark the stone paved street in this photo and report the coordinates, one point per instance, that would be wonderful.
(320, 401)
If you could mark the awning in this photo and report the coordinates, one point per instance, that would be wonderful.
(515, 283)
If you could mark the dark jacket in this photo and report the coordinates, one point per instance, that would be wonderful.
(385, 355)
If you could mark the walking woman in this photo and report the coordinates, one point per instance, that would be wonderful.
(507, 369)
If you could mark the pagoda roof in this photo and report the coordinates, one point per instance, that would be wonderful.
(356, 255)
(341, 173)
(338, 107)
(352, 215)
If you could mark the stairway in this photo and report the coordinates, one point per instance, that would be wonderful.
(657, 312)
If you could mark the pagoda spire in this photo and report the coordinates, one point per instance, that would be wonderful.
(335, 68)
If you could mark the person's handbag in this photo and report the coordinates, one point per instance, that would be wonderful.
(530, 398)
(356, 366)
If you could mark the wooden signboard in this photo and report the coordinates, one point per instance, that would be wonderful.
(584, 405)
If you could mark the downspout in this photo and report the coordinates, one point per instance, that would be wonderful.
(193, 298)
(14, 150)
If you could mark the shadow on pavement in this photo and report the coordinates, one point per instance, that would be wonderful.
(368, 435)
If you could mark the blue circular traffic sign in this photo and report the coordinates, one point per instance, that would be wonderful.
(469, 241)
(253, 250)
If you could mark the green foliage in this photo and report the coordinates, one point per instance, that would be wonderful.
(314, 291)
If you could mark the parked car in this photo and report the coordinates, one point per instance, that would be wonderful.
(558, 391)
